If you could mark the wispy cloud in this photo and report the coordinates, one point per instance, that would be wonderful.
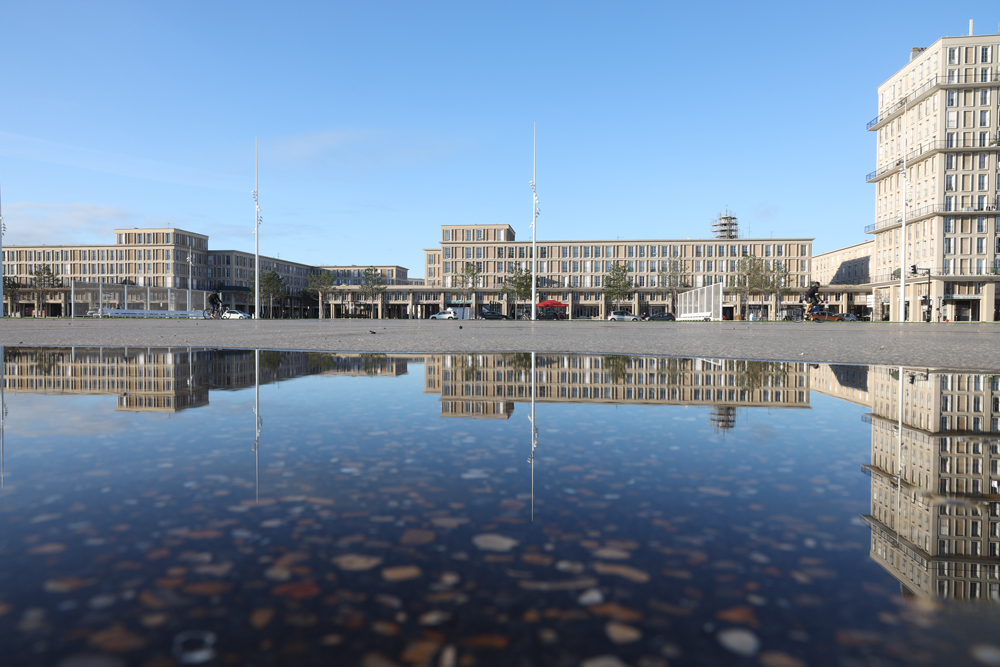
(31, 223)
(319, 147)
(350, 149)
(765, 211)
(51, 152)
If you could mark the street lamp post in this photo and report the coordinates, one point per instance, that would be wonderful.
(190, 267)
(534, 219)
(902, 230)
(256, 237)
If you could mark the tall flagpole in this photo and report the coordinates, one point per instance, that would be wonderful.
(534, 219)
(3, 273)
(256, 235)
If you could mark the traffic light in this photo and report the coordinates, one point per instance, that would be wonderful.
(913, 269)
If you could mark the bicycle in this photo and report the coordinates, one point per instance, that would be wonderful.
(209, 313)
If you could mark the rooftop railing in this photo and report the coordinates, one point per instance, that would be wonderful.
(955, 77)
(958, 143)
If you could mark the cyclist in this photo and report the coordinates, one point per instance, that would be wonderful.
(215, 300)
(812, 296)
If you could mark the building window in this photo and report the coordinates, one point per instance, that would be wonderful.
(952, 98)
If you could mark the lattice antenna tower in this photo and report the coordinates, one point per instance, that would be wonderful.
(725, 226)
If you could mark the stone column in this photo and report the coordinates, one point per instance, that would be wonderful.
(988, 302)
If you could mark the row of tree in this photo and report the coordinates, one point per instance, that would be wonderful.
(753, 276)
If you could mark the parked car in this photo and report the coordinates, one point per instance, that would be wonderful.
(622, 316)
(546, 316)
(492, 315)
(826, 316)
(848, 317)
(235, 315)
(662, 317)
(446, 314)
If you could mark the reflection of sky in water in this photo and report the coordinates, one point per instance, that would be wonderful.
(656, 537)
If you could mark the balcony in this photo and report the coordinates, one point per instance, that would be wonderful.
(927, 147)
(956, 78)
(923, 273)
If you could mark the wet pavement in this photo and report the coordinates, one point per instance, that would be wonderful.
(957, 345)
(200, 506)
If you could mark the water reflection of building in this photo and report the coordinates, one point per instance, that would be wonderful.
(170, 379)
(935, 501)
(846, 382)
(487, 386)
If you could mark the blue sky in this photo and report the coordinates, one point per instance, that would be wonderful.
(380, 121)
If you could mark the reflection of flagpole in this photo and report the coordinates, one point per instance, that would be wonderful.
(258, 422)
(3, 414)
(899, 452)
(534, 437)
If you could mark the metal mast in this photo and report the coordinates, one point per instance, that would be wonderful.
(256, 237)
(534, 219)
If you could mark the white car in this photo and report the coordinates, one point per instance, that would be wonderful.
(235, 315)
(446, 314)
(622, 316)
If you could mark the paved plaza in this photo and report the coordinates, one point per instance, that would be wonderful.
(972, 346)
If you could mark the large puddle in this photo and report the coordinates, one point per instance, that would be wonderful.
(189, 506)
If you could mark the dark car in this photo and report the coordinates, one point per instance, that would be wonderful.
(546, 316)
(662, 317)
(491, 315)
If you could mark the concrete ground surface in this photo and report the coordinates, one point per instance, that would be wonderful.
(958, 346)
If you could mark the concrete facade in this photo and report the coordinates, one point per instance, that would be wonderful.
(572, 271)
(936, 154)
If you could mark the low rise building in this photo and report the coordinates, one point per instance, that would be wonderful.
(572, 272)
(844, 275)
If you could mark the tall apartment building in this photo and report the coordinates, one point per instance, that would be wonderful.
(936, 132)
(572, 271)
